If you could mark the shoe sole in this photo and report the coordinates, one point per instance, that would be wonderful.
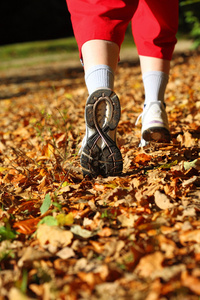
(156, 134)
(95, 160)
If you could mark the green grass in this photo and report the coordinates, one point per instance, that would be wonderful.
(39, 48)
(43, 52)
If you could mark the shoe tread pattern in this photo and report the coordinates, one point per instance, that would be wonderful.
(106, 161)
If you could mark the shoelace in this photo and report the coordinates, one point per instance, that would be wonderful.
(140, 116)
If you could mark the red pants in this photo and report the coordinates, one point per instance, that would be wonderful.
(154, 23)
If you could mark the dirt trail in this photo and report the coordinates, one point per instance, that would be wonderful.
(54, 62)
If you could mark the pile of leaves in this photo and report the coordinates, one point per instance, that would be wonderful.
(63, 236)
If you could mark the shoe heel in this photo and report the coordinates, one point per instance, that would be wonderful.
(111, 161)
(157, 134)
(105, 163)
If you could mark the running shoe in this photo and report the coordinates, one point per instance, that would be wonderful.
(100, 154)
(155, 125)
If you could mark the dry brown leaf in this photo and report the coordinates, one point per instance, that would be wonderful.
(52, 237)
(155, 290)
(187, 182)
(162, 201)
(16, 294)
(191, 282)
(142, 159)
(106, 231)
(37, 289)
(30, 254)
(66, 253)
(127, 221)
(187, 140)
(90, 277)
(167, 273)
(190, 236)
(150, 264)
(167, 246)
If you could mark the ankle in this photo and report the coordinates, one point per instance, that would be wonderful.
(99, 76)
(155, 83)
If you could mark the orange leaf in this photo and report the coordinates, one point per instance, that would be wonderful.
(48, 150)
(27, 226)
(191, 282)
(43, 172)
(142, 158)
(105, 232)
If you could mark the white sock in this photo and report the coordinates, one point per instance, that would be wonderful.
(155, 83)
(99, 76)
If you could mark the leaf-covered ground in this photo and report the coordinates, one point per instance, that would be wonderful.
(65, 237)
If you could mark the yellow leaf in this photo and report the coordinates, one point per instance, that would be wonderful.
(65, 220)
(69, 96)
(65, 184)
(2, 169)
(111, 185)
(48, 150)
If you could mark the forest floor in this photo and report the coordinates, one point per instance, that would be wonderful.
(62, 236)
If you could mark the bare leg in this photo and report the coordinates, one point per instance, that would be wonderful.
(100, 52)
(154, 64)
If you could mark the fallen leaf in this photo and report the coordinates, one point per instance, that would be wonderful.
(168, 273)
(106, 231)
(65, 253)
(53, 236)
(192, 164)
(125, 246)
(189, 141)
(16, 294)
(65, 220)
(190, 236)
(162, 201)
(30, 254)
(142, 159)
(127, 221)
(187, 182)
(191, 282)
(46, 204)
(48, 220)
(27, 226)
(149, 264)
(48, 150)
(84, 233)
(90, 277)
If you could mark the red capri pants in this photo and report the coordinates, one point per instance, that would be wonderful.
(154, 23)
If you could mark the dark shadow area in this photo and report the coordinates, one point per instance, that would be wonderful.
(43, 74)
(27, 20)
(29, 81)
